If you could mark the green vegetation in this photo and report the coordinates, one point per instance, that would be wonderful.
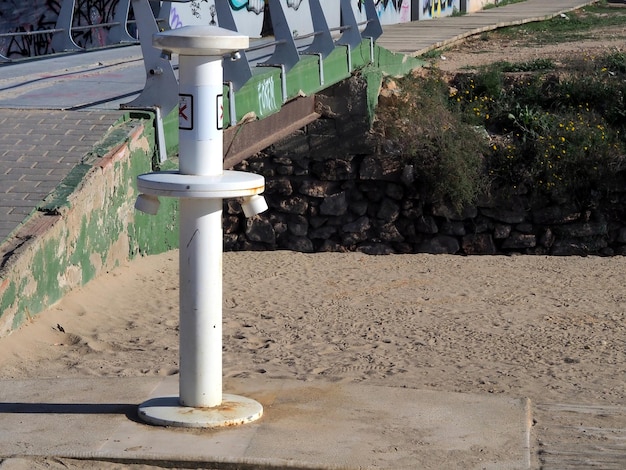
(432, 54)
(530, 66)
(457, 12)
(446, 152)
(557, 135)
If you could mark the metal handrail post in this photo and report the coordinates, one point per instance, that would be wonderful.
(373, 29)
(119, 34)
(163, 13)
(323, 40)
(225, 17)
(351, 35)
(285, 52)
(237, 69)
(62, 40)
(159, 71)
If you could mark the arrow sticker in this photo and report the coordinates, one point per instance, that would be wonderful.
(185, 112)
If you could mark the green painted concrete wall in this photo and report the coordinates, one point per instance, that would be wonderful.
(89, 225)
(263, 94)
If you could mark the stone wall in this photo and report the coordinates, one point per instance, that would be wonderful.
(329, 189)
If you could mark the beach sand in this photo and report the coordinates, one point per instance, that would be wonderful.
(551, 329)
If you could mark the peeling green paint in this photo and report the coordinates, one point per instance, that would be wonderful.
(59, 197)
(262, 95)
(114, 137)
(394, 64)
(385, 63)
(153, 233)
(8, 296)
(170, 127)
(88, 239)
(99, 228)
(373, 77)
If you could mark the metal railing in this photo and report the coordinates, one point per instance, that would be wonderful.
(287, 49)
(284, 51)
(62, 35)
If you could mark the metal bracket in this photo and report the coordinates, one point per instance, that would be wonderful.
(62, 40)
(236, 67)
(320, 60)
(119, 34)
(160, 77)
(323, 40)
(350, 28)
(232, 107)
(285, 51)
(225, 16)
(373, 29)
(160, 92)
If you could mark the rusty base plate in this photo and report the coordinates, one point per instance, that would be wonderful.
(167, 411)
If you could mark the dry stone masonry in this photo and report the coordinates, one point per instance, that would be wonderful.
(330, 187)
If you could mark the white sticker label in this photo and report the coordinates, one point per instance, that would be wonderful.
(185, 112)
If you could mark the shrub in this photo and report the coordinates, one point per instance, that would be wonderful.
(559, 135)
(447, 153)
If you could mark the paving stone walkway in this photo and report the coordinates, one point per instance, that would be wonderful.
(38, 149)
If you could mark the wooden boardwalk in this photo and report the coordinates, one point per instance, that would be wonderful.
(577, 437)
(419, 37)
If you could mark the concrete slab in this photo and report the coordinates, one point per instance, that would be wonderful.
(310, 424)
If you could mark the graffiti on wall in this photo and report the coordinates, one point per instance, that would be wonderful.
(389, 11)
(93, 12)
(257, 6)
(40, 15)
(437, 8)
(18, 16)
(251, 16)
(196, 7)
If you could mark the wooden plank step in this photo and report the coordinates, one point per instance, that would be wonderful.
(575, 436)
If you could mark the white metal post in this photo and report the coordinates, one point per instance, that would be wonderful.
(200, 261)
(201, 150)
(201, 85)
(202, 184)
